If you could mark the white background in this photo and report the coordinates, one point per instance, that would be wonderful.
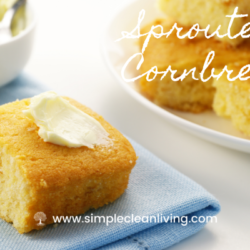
(67, 58)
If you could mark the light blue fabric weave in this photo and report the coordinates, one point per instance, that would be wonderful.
(155, 189)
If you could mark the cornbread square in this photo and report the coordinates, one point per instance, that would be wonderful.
(212, 12)
(37, 176)
(232, 100)
(188, 94)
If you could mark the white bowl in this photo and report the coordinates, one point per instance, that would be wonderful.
(14, 54)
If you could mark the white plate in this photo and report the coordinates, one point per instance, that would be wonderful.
(206, 125)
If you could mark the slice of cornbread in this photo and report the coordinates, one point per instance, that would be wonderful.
(212, 12)
(232, 100)
(36, 176)
(188, 94)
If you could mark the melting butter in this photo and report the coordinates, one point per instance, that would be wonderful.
(63, 124)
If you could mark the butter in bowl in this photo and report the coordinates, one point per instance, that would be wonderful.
(15, 51)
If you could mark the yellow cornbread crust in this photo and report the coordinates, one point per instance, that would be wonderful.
(232, 100)
(212, 12)
(189, 94)
(36, 176)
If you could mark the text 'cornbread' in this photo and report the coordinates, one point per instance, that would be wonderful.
(37, 176)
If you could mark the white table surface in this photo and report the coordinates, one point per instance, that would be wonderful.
(67, 57)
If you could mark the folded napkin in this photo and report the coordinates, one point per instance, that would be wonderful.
(155, 189)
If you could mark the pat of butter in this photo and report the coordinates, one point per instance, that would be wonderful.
(63, 124)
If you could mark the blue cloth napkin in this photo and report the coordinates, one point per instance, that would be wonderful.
(155, 189)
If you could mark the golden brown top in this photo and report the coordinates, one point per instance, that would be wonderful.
(214, 13)
(229, 2)
(48, 165)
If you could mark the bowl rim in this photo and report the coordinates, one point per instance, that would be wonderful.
(27, 30)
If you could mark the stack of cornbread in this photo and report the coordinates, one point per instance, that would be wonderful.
(228, 99)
